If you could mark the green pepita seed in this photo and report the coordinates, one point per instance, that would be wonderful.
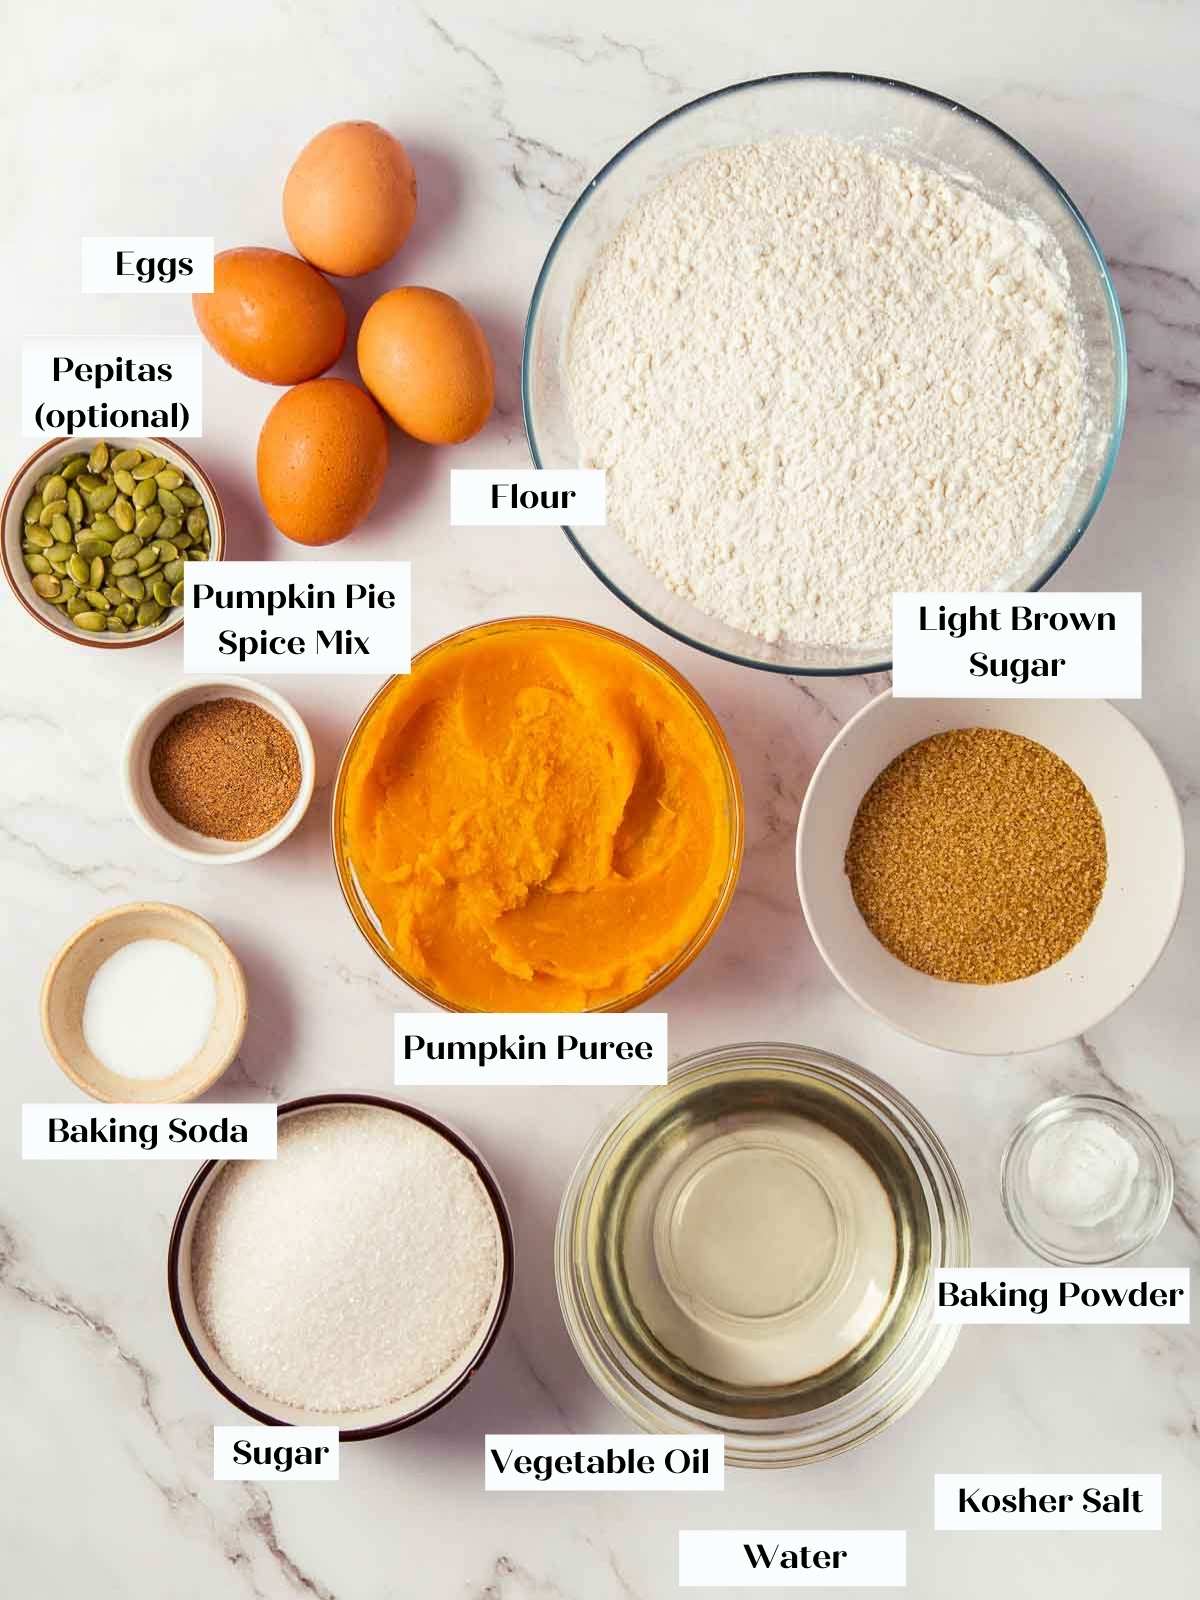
(98, 459)
(103, 527)
(61, 528)
(39, 538)
(127, 545)
(114, 596)
(150, 572)
(123, 569)
(161, 590)
(56, 489)
(127, 611)
(166, 550)
(197, 555)
(70, 470)
(148, 524)
(126, 460)
(47, 585)
(149, 611)
(75, 605)
(148, 468)
(144, 493)
(38, 565)
(50, 510)
(177, 594)
(197, 520)
(75, 507)
(100, 499)
(96, 576)
(41, 483)
(96, 600)
(79, 569)
(173, 570)
(115, 625)
(170, 502)
(123, 514)
(189, 496)
(171, 527)
(91, 548)
(33, 508)
(133, 587)
(147, 558)
(60, 552)
(124, 482)
(169, 478)
(87, 481)
(67, 590)
(90, 621)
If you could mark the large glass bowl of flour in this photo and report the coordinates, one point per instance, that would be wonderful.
(829, 337)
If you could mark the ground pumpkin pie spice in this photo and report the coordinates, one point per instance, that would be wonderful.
(226, 768)
(977, 856)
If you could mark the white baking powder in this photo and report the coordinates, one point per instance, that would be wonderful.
(1082, 1171)
(816, 374)
(354, 1269)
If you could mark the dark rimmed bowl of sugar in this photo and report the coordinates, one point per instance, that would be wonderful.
(357, 1281)
(219, 771)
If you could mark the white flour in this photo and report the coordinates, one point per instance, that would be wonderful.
(816, 374)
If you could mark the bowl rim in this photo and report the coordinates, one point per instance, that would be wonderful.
(1104, 1105)
(670, 970)
(116, 914)
(1112, 303)
(1106, 1006)
(646, 1405)
(499, 1311)
(284, 711)
(78, 636)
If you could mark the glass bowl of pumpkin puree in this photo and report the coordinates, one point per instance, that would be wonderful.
(542, 816)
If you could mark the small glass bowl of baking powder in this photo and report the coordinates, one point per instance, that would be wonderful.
(1086, 1181)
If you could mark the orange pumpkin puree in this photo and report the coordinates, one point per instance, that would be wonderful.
(539, 820)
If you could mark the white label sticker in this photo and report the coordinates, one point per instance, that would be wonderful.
(598, 1461)
(297, 616)
(827, 1558)
(527, 498)
(530, 1048)
(249, 1455)
(148, 264)
(1017, 646)
(1058, 1294)
(147, 1133)
(111, 385)
(1062, 1502)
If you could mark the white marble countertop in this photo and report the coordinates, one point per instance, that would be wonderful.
(184, 119)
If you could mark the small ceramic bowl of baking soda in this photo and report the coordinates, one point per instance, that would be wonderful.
(1128, 930)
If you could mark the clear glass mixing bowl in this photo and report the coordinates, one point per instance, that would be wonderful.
(799, 1421)
(909, 122)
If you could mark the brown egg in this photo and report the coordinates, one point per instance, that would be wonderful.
(271, 316)
(322, 457)
(350, 199)
(426, 360)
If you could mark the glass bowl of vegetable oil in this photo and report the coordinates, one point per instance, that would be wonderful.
(751, 1248)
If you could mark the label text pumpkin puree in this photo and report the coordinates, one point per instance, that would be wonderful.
(539, 818)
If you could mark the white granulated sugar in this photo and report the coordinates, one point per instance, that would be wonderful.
(352, 1270)
(816, 374)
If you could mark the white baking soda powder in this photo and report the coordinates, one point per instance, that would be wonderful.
(149, 1008)
(352, 1271)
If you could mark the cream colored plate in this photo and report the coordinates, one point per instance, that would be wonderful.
(1133, 921)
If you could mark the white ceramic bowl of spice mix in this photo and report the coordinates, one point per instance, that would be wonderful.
(990, 876)
(356, 1281)
(220, 770)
